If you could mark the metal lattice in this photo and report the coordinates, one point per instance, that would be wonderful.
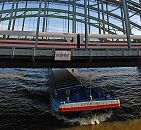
(71, 16)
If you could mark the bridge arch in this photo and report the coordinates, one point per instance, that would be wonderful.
(103, 16)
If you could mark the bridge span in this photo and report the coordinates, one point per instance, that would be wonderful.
(87, 58)
(70, 33)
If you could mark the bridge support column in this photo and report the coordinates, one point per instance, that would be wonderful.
(69, 17)
(86, 23)
(99, 24)
(74, 17)
(14, 20)
(103, 19)
(127, 22)
(140, 4)
(44, 18)
(11, 15)
(107, 9)
(139, 69)
(38, 23)
(122, 16)
(24, 16)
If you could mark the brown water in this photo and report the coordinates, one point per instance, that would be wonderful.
(118, 125)
(24, 103)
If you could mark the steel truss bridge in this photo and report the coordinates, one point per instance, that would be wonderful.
(92, 33)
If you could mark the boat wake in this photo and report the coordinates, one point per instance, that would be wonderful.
(85, 118)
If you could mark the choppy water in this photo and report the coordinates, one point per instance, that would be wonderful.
(24, 103)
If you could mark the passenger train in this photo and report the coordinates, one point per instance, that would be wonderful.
(65, 40)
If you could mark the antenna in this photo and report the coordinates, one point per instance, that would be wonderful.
(90, 86)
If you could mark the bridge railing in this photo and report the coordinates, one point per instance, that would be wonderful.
(75, 53)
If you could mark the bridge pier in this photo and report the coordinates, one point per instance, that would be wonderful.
(139, 69)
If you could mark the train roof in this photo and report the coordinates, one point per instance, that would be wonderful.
(33, 33)
(61, 34)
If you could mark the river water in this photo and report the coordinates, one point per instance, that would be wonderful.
(24, 100)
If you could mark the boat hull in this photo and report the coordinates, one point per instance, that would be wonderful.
(89, 105)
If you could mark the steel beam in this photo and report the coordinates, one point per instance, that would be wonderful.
(98, 7)
(86, 24)
(89, 20)
(112, 15)
(2, 11)
(11, 15)
(74, 17)
(69, 17)
(15, 13)
(140, 4)
(24, 16)
(45, 16)
(46, 29)
(127, 22)
(123, 24)
(78, 20)
(38, 23)
(103, 19)
(89, 7)
(107, 9)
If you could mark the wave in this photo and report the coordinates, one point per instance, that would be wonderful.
(85, 118)
(12, 75)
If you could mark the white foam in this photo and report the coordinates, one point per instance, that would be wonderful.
(89, 119)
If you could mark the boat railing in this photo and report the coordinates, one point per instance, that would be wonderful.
(69, 87)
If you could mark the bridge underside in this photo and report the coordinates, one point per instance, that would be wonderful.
(85, 62)
(27, 62)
